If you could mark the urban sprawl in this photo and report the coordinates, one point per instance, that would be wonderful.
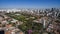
(30, 21)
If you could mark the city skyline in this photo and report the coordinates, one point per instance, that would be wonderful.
(29, 3)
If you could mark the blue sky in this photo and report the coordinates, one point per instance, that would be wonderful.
(29, 3)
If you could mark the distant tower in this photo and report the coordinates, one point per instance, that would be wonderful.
(44, 26)
(52, 9)
(44, 23)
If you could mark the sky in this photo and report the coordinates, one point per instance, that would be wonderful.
(29, 3)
